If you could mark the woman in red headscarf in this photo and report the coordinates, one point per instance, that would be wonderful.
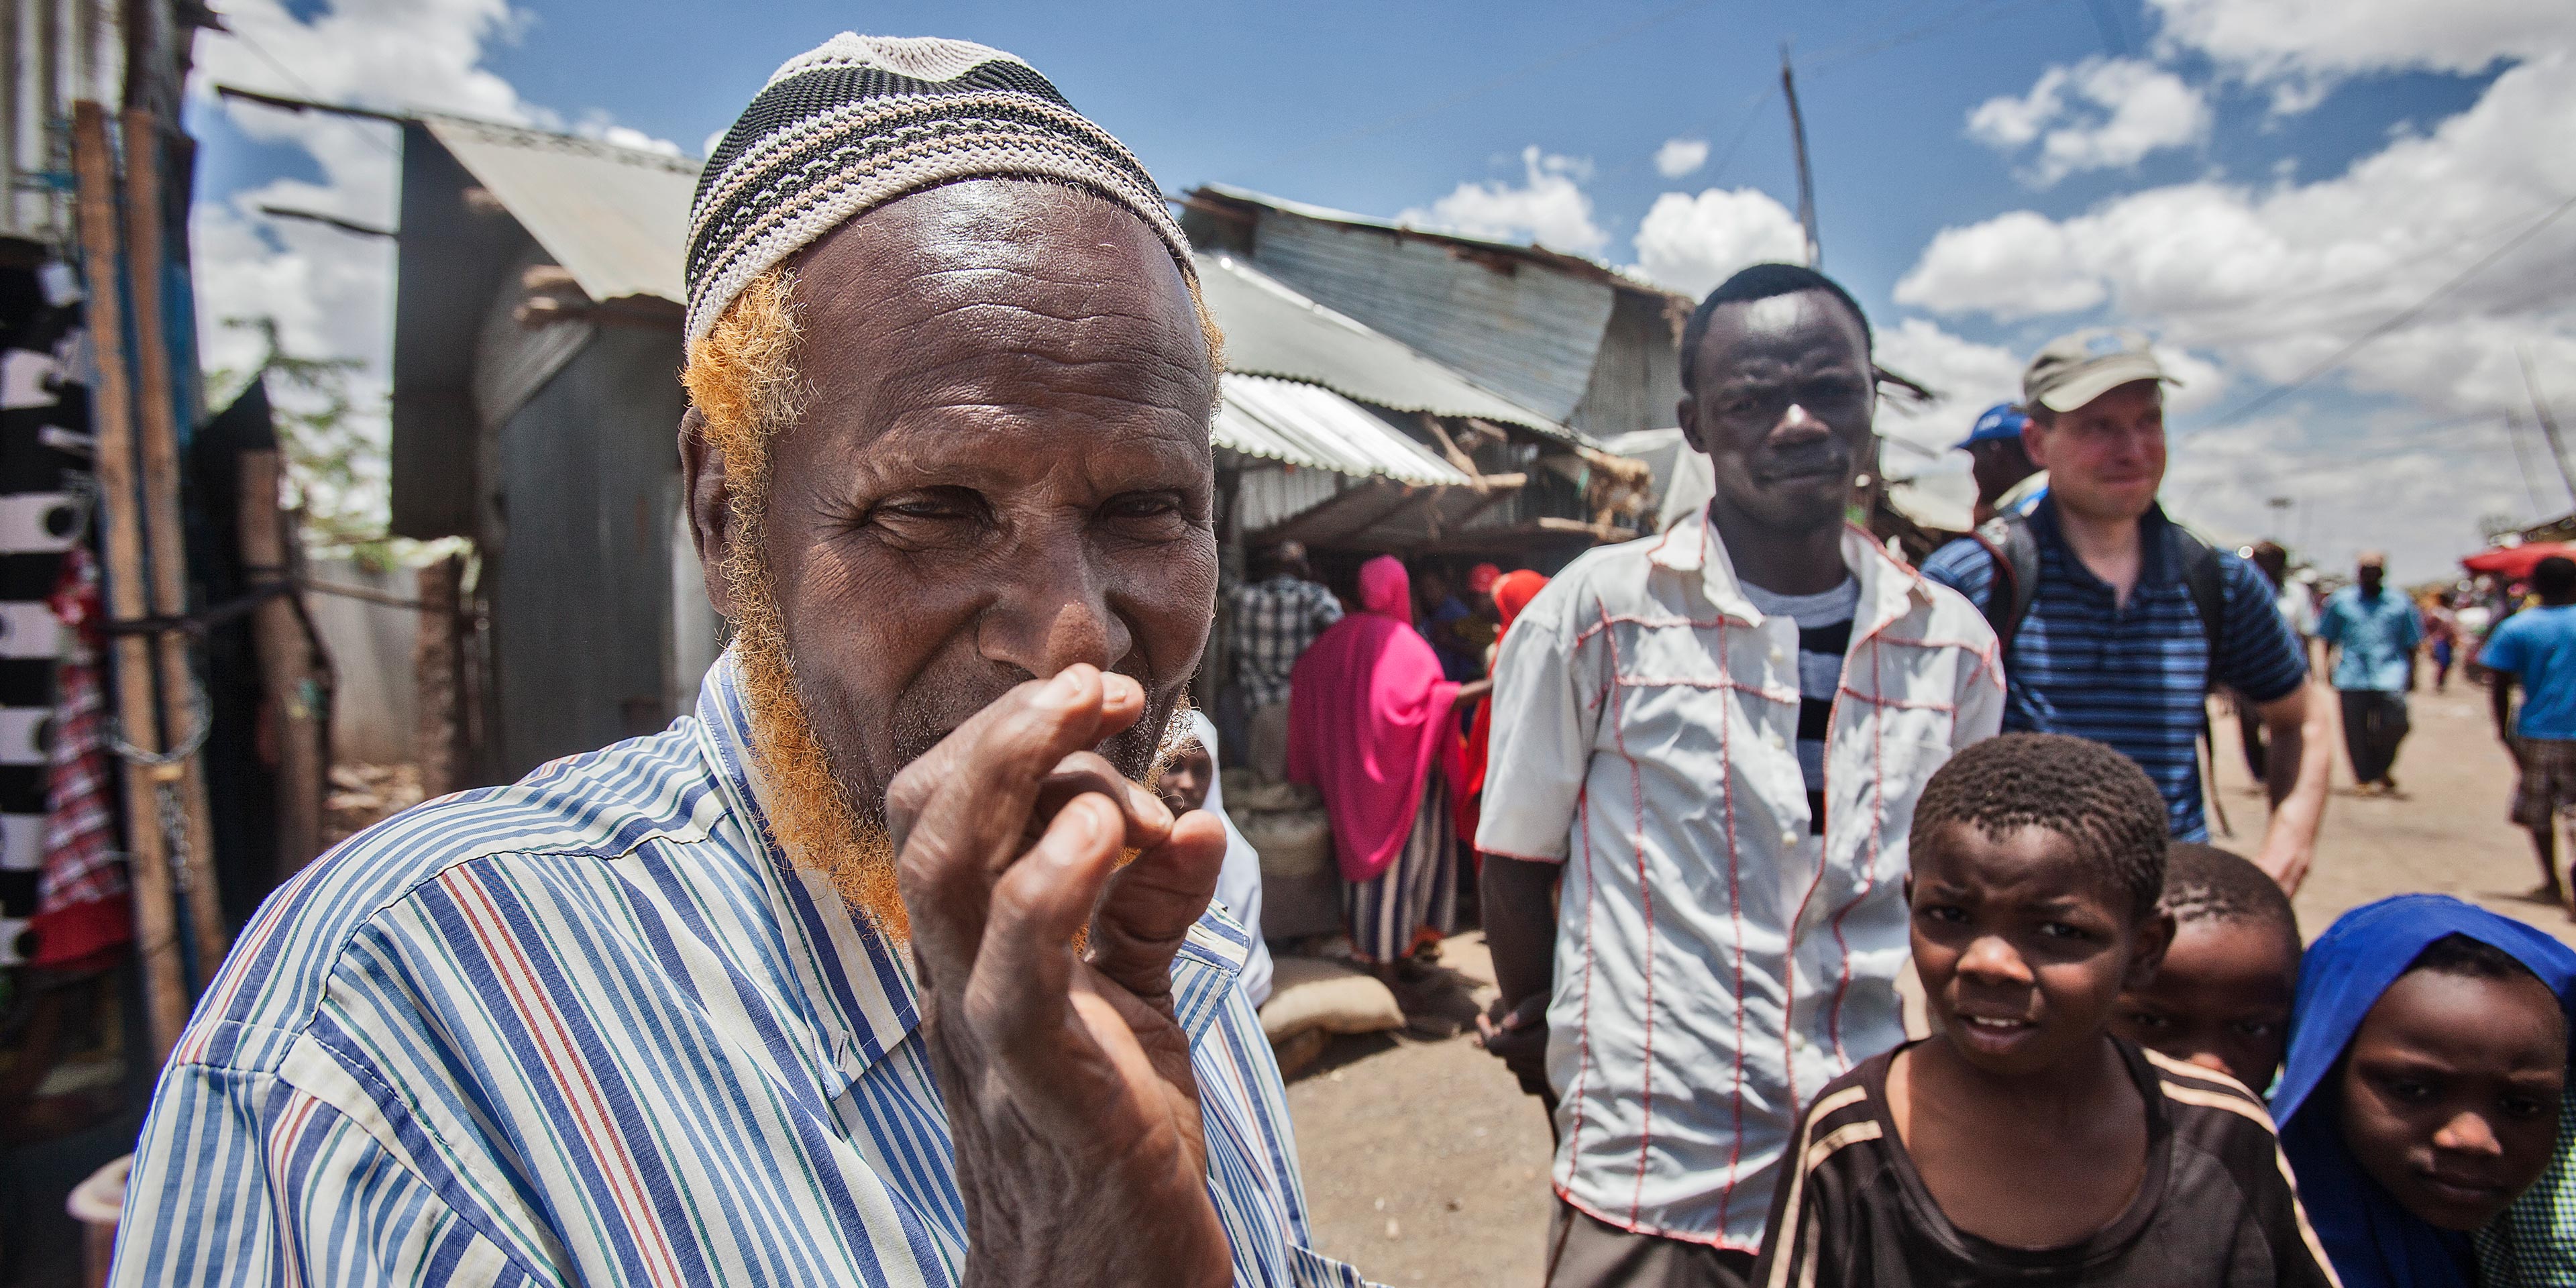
(1512, 592)
(1371, 727)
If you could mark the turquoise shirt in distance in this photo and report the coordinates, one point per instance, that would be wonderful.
(2539, 646)
(2377, 633)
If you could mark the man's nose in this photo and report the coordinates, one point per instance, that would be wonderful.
(2468, 1133)
(1797, 425)
(1989, 960)
(2211, 1061)
(1052, 613)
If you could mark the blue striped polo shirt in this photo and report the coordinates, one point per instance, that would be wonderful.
(2131, 675)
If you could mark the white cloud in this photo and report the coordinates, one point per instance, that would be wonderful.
(2100, 114)
(1693, 243)
(1968, 376)
(2014, 265)
(2278, 277)
(2255, 284)
(1549, 207)
(2301, 48)
(1679, 157)
(330, 293)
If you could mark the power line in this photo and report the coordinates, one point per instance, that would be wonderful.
(2402, 317)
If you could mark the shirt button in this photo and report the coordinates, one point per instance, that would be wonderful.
(1789, 836)
(1777, 740)
(1777, 655)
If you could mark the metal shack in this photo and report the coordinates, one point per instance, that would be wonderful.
(536, 402)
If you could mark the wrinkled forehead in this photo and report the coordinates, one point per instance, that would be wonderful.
(1002, 275)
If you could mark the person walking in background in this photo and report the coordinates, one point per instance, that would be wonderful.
(2536, 649)
(1276, 615)
(2007, 481)
(2291, 598)
(2115, 621)
(1695, 850)
(2374, 632)
(1512, 592)
(1371, 728)
(2441, 637)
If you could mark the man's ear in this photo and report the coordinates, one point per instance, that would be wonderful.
(2154, 938)
(702, 482)
(1686, 414)
(2034, 442)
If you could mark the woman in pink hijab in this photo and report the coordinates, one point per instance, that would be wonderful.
(1371, 727)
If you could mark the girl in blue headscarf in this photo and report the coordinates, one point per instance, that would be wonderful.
(2428, 1057)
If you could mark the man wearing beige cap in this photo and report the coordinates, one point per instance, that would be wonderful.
(2374, 632)
(2115, 621)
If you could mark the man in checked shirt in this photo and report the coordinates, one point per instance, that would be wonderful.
(1711, 742)
(1276, 615)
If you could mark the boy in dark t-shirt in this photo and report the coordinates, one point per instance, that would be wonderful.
(2024, 1142)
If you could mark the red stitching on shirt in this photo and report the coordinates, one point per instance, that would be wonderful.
(1646, 903)
(1902, 704)
(1868, 878)
(1759, 691)
(1735, 913)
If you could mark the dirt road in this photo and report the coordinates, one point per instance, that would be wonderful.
(1425, 1164)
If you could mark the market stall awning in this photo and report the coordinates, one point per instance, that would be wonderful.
(1311, 426)
(2516, 562)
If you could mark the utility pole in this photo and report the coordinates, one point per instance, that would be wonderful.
(1806, 179)
(2548, 423)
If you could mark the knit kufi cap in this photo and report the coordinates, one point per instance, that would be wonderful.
(862, 120)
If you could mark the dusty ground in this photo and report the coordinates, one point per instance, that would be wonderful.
(1425, 1164)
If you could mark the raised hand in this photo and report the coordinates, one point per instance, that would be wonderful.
(1075, 1115)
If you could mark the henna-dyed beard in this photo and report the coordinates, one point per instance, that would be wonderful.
(812, 816)
(816, 819)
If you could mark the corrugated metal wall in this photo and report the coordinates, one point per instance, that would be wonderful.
(581, 599)
(1529, 334)
(1637, 380)
(56, 51)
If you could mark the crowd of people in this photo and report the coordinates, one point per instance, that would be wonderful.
(1743, 777)
(883, 968)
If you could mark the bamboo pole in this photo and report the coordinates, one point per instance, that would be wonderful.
(156, 914)
(286, 667)
(164, 531)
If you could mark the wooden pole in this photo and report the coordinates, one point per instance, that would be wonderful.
(437, 664)
(156, 914)
(1806, 181)
(286, 666)
(164, 531)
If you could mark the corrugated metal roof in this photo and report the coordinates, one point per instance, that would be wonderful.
(1308, 425)
(1272, 330)
(615, 218)
(1567, 261)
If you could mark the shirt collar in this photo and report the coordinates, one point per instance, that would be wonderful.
(2158, 564)
(1888, 588)
(857, 983)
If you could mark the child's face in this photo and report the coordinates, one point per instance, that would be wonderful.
(2021, 946)
(1184, 782)
(2221, 1000)
(2450, 1093)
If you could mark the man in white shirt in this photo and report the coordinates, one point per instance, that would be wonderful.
(1715, 737)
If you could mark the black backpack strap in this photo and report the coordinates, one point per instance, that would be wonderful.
(2206, 578)
(2015, 552)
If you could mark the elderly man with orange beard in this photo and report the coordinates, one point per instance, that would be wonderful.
(880, 969)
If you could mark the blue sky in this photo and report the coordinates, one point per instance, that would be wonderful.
(2274, 150)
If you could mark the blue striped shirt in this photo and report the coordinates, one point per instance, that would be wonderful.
(590, 1028)
(2131, 675)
